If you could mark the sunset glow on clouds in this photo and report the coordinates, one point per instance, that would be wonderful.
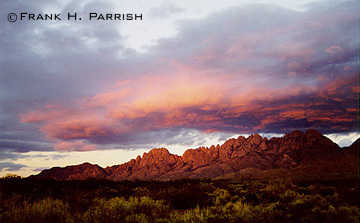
(234, 70)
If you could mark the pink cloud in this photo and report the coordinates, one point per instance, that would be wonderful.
(78, 145)
(203, 101)
(334, 49)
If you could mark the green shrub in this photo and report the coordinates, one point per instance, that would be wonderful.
(117, 209)
(221, 196)
(46, 210)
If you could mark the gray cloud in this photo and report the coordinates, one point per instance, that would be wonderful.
(46, 64)
(41, 169)
(4, 155)
(167, 9)
(24, 146)
(7, 166)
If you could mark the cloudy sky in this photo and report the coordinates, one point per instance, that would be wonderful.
(190, 73)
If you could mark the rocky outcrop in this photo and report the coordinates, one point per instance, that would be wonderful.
(293, 150)
(151, 165)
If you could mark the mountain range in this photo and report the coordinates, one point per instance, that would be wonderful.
(309, 152)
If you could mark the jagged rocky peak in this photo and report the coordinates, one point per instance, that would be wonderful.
(255, 139)
(159, 151)
(159, 156)
(291, 150)
(201, 155)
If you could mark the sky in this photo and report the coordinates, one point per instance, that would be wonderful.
(189, 74)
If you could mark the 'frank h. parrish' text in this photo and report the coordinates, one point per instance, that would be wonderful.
(74, 16)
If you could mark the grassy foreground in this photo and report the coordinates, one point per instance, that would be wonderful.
(241, 200)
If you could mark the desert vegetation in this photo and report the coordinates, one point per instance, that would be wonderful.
(229, 200)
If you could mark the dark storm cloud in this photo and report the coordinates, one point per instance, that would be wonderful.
(257, 68)
(24, 146)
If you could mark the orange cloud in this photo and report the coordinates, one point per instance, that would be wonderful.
(190, 98)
